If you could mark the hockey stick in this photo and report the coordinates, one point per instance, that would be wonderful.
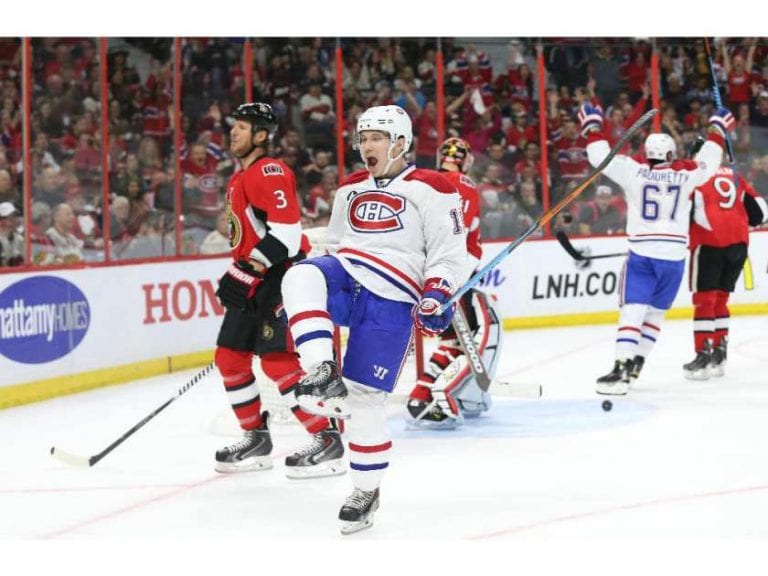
(475, 360)
(552, 212)
(565, 242)
(75, 460)
(716, 92)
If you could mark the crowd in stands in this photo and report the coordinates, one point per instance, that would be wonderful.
(491, 100)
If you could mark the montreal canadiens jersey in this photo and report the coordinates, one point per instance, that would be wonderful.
(658, 197)
(719, 215)
(263, 212)
(392, 235)
(470, 208)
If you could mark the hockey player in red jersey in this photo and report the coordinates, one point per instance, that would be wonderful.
(400, 255)
(266, 239)
(723, 209)
(446, 392)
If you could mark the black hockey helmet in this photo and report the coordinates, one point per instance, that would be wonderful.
(260, 115)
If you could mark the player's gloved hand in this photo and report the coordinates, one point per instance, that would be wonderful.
(591, 118)
(436, 293)
(238, 285)
(722, 120)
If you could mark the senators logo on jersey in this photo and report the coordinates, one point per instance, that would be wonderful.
(376, 211)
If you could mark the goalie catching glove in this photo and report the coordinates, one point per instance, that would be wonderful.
(237, 288)
(425, 317)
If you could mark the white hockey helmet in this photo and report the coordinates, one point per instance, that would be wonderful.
(390, 119)
(660, 147)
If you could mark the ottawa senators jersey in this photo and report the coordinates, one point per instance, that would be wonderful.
(719, 215)
(393, 234)
(263, 212)
(470, 208)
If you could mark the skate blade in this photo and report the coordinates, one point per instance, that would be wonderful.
(612, 391)
(330, 468)
(248, 465)
(718, 372)
(352, 527)
(699, 375)
(330, 408)
(447, 424)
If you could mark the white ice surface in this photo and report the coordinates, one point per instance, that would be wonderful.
(675, 460)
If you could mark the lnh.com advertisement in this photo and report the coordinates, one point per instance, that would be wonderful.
(69, 322)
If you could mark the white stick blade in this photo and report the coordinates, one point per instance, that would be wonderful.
(516, 389)
(71, 459)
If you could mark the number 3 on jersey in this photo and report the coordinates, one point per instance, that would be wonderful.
(653, 201)
(280, 200)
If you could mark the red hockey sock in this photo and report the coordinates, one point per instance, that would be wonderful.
(703, 318)
(722, 316)
(240, 384)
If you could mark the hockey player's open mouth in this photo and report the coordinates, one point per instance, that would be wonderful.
(372, 161)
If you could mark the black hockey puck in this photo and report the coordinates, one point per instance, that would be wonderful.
(607, 405)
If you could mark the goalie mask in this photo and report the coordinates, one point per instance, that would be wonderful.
(456, 151)
(660, 147)
(391, 120)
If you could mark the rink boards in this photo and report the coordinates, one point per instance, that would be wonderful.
(71, 330)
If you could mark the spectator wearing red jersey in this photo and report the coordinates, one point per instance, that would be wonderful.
(520, 133)
(570, 151)
(201, 187)
(739, 73)
(637, 73)
(425, 128)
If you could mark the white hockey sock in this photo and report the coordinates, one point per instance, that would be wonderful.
(369, 440)
(307, 310)
(654, 317)
(629, 333)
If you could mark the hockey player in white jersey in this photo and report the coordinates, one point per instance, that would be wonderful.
(658, 193)
(400, 253)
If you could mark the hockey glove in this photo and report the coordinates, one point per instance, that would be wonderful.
(591, 118)
(238, 286)
(425, 317)
(722, 120)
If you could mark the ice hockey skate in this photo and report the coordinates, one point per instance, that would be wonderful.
(637, 367)
(322, 457)
(719, 358)
(323, 392)
(357, 512)
(431, 416)
(699, 367)
(250, 453)
(616, 382)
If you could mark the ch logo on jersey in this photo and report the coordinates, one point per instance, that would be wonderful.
(379, 372)
(376, 211)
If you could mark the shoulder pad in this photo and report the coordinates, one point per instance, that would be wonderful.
(433, 179)
(684, 165)
(356, 177)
